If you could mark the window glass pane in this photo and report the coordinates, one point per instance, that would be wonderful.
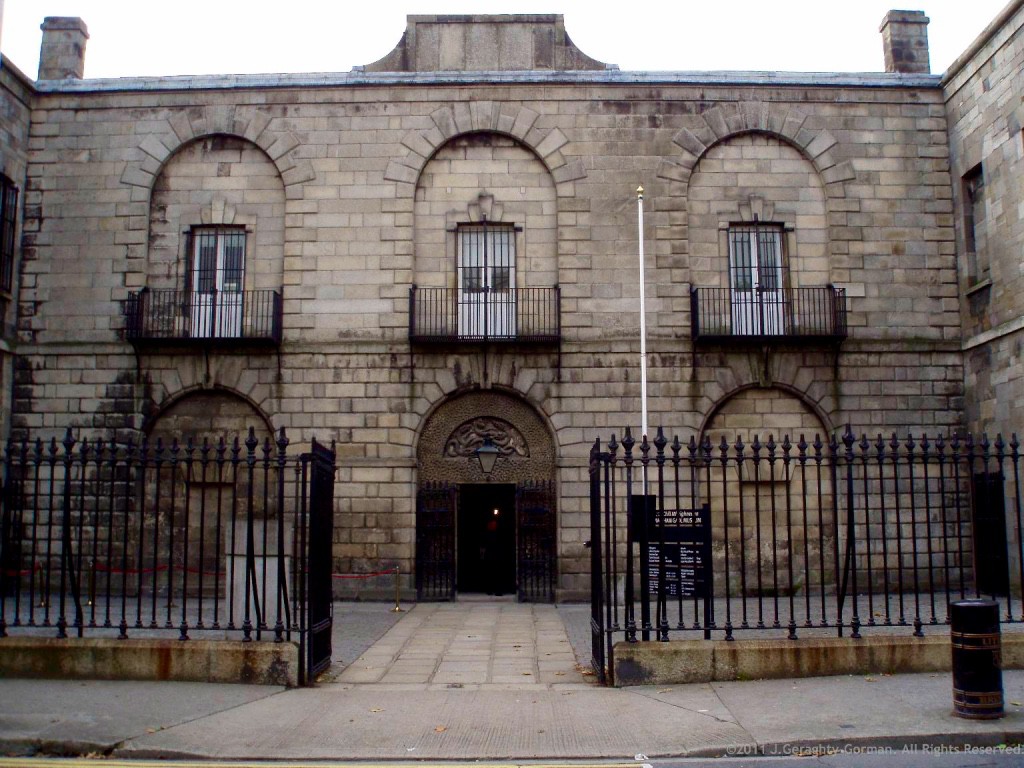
(502, 258)
(205, 262)
(471, 259)
(740, 259)
(234, 259)
(8, 223)
(218, 260)
(486, 258)
(768, 261)
(500, 279)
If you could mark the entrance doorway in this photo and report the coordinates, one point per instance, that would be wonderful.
(486, 539)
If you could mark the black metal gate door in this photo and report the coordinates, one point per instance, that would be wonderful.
(435, 542)
(597, 570)
(535, 517)
(318, 477)
(992, 567)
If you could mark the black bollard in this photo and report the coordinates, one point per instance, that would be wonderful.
(977, 665)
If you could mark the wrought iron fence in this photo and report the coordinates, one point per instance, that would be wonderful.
(441, 315)
(849, 535)
(149, 539)
(186, 316)
(786, 313)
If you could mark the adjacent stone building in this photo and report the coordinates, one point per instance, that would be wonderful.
(436, 254)
(983, 106)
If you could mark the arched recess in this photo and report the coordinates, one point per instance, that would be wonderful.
(486, 176)
(527, 445)
(200, 486)
(786, 124)
(479, 532)
(770, 491)
(186, 125)
(757, 179)
(724, 121)
(224, 182)
(516, 122)
(778, 410)
(207, 413)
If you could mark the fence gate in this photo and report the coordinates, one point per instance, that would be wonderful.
(318, 477)
(838, 536)
(535, 516)
(435, 542)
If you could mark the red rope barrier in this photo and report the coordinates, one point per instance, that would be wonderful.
(133, 571)
(26, 572)
(364, 575)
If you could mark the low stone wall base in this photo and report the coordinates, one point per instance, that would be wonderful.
(208, 661)
(702, 661)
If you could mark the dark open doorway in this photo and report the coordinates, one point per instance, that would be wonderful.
(991, 566)
(487, 539)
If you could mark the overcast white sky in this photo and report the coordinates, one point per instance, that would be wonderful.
(137, 37)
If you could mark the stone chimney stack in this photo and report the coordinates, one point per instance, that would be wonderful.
(905, 42)
(62, 54)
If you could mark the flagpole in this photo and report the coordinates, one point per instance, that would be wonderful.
(643, 316)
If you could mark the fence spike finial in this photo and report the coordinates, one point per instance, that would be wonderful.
(660, 441)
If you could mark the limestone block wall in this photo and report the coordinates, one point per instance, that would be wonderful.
(15, 110)
(982, 92)
(357, 187)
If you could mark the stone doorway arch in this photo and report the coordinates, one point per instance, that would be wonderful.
(488, 533)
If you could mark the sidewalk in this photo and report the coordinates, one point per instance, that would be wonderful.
(424, 714)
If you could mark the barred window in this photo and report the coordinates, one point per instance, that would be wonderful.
(755, 257)
(973, 185)
(218, 259)
(487, 257)
(8, 225)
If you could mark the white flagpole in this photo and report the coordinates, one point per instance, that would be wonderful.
(643, 316)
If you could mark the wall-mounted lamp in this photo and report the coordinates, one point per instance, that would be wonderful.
(487, 454)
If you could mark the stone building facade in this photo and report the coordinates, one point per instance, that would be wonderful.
(438, 252)
(983, 105)
(16, 92)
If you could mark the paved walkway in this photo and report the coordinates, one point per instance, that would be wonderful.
(457, 645)
(480, 681)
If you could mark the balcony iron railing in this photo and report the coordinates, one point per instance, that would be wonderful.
(520, 315)
(792, 314)
(249, 318)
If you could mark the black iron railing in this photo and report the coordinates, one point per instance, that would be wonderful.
(245, 317)
(443, 315)
(848, 535)
(179, 538)
(786, 314)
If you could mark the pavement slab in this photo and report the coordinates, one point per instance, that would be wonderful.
(370, 723)
(95, 716)
(440, 684)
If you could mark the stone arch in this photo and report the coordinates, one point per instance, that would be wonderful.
(789, 421)
(204, 412)
(523, 434)
(786, 124)
(185, 126)
(208, 506)
(757, 178)
(219, 179)
(518, 123)
(772, 528)
(485, 175)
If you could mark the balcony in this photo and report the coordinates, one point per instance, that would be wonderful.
(804, 315)
(224, 318)
(519, 315)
